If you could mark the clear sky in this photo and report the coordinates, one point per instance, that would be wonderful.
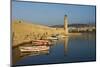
(52, 14)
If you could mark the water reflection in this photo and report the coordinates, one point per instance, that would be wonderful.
(65, 45)
(34, 52)
(15, 55)
(69, 49)
(22, 52)
(19, 53)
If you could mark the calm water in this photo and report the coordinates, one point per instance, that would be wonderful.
(70, 49)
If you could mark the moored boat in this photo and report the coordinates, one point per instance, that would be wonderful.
(41, 42)
(52, 38)
(34, 48)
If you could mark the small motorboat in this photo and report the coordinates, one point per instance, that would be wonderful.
(62, 36)
(52, 38)
(33, 48)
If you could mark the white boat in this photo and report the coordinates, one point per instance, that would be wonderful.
(34, 48)
(62, 36)
(52, 38)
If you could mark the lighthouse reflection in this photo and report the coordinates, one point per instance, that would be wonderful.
(65, 46)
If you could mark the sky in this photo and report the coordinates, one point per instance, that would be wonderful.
(53, 14)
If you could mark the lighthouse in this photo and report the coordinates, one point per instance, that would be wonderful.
(65, 24)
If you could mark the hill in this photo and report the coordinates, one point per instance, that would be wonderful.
(73, 25)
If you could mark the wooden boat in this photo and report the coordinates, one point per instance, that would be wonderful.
(33, 48)
(41, 42)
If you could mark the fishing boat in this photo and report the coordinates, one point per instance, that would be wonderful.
(52, 38)
(41, 42)
(33, 48)
(62, 36)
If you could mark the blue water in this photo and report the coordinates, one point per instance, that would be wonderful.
(71, 49)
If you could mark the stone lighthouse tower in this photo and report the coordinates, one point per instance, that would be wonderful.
(66, 24)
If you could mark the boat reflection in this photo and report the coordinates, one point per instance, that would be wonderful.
(27, 50)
